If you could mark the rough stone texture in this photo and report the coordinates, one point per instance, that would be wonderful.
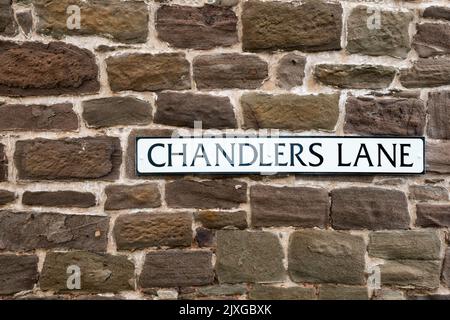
(197, 27)
(78, 159)
(290, 111)
(177, 268)
(25, 21)
(369, 208)
(244, 256)
(209, 194)
(58, 117)
(46, 69)
(17, 273)
(114, 19)
(149, 72)
(59, 199)
(33, 230)
(431, 39)
(318, 256)
(390, 39)
(183, 109)
(7, 23)
(3, 163)
(446, 268)
(411, 273)
(229, 71)
(7, 197)
(313, 26)
(432, 72)
(433, 215)
(439, 115)
(289, 206)
(435, 12)
(405, 245)
(132, 197)
(339, 292)
(222, 219)
(264, 292)
(428, 193)
(139, 231)
(438, 157)
(116, 111)
(99, 272)
(385, 116)
(291, 71)
(205, 237)
(352, 76)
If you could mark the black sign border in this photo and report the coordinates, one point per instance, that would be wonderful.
(235, 174)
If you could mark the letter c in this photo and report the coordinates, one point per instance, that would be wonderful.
(149, 155)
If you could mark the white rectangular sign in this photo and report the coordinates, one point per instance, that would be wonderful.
(289, 154)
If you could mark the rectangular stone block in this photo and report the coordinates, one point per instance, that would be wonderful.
(317, 256)
(433, 215)
(177, 268)
(39, 230)
(68, 159)
(17, 273)
(59, 199)
(439, 115)
(140, 196)
(414, 274)
(289, 206)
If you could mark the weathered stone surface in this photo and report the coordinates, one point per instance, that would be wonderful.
(210, 194)
(25, 21)
(197, 27)
(222, 219)
(339, 292)
(291, 71)
(313, 26)
(411, 273)
(59, 199)
(99, 272)
(290, 111)
(3, 163)
(116, 111)
(385, 116)
(114, 19)
(369, 208)
(46, 69)
(433, 215)
(7, 23)
(7, 197)
(438, 157)
(149, 72)
(428, 193)
(391, 38)
(405, 245)
(439, 115)
(289, 206)
(352, 76)
(222, 290)
(58, 117)
(17, 273)
(177, 268)
(139, 231)
(265, 292)
(318, 256)
(432, 72)
(446, 268)
(431, 39)
(205, 237)
(33, 230)
(430, 297)
(229, 71)
(132, 197)
(183, 109)
(130, 158)
(435, 12)
(244, 256)
(83, 158)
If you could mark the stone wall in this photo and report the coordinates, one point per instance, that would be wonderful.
(74, 95)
